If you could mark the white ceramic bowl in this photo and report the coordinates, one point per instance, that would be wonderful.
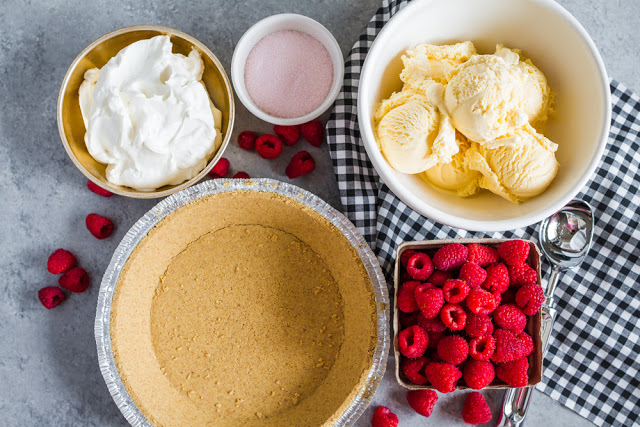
(285, 21)
(556, 43)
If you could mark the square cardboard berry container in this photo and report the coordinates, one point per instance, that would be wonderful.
(533, 322)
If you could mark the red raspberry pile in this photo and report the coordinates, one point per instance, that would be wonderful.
(464, 310)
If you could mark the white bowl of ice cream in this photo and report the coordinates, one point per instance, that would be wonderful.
(513, 153)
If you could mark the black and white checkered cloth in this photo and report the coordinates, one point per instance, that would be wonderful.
(593, 363)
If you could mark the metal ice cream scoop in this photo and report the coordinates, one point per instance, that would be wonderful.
(565, 239)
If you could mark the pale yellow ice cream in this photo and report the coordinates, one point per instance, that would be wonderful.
(455, 176)
(427, 61)
(516, 171)
(413, 131)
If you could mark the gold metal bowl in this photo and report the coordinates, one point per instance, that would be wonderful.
(97, 54)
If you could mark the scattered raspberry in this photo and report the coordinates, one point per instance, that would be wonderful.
(514, 252)
(453, 316)
(220, 169)
(383, 417)
(100, 226)
(247, 140)
(473, 274)
(51, 296)
(478, 325)
(429, 300)
(406, 254)
(95, 188)
(481, 254)
(288, 134)
(442, 376)
(453, 349)
(508, 346)
(455, 291)
(407, 319)
(482, 348)
(530, 298)
(422, 401)
(241, 175)
(268, 146)
(413, 341)
(439, 278)
(481, 301)
(450, 257)
(60, 261)
(476, 410)
(74, 280)
(514, 373)
(313, 132)
(406, 297)
(497, 278)
(478, 374)
(526, 342)
(412, 368)
(431, 325)
(510, 317)
(509, 296)
(522, 275)
(420, 266)
(301, 164)
(434, 339)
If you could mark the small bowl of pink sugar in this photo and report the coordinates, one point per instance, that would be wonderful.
(287, 69)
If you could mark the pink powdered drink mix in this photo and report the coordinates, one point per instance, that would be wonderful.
(288, 74)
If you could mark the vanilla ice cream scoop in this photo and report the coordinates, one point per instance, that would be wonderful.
(515, 171)
(483, 97)
(455, 176)
(427, 61)
(413, 132)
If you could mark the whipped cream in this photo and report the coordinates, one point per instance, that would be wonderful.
(148, 115)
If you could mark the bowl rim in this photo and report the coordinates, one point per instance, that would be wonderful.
(421, 206)
(237, 69)
(131, 192)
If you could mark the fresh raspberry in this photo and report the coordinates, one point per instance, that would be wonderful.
(51, 296)
(95, 188)
(406, 299)
(455, 291)
(476, 410)
(74, 280)
(434, 339)
(530, 298)
(526, 342)
(407, 319)
(268, 146)
(406, 254)
(420, 266)
(481, 254)
(509, 346)
(431, 325)
(422, 401)
(313, 132)
(241, 175)
(220, 169)
(510, 317)
(497, 278)
(439, 278)
(509, 296)
(288, 134)
(247, 140)
(453, 316)
(383, 417)
(481, 301)
(514, 252)
(522, 275)
(450, 257)
(100, 226)
(413, 341)
(482, 348)
(60, 261)
(478, 374)
(453, 349)
(412, 368)
(442, 376)
(514, 372)
(478, 325)
(429, 300)
(301, 164)
(473, 274)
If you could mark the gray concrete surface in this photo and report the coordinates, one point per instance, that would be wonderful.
(48, 370)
